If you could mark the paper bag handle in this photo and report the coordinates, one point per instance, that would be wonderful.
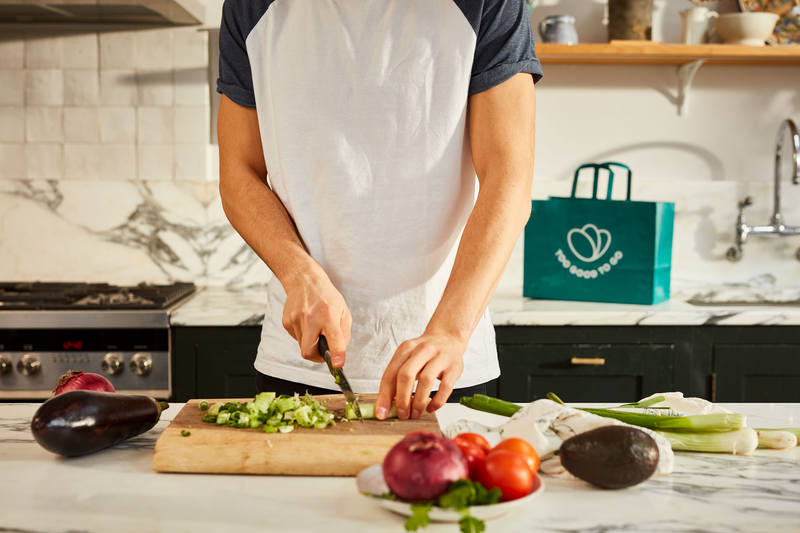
(607, 166)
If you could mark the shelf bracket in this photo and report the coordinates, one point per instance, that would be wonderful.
(685, 78)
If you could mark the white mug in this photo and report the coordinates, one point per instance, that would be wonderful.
(694, 25)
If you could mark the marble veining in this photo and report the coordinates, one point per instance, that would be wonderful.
(117, 490)
(124, 232)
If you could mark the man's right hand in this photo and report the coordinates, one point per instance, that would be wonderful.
(313, 308)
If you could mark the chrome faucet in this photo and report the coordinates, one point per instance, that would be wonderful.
(777, 228)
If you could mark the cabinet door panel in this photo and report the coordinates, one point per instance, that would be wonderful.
(629, 372)
(753, 373)
(226, 371)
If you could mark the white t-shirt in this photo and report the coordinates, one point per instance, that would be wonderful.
(362, 110)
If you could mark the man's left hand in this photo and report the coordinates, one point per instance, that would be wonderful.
(427, 358)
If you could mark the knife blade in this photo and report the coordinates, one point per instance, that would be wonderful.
(338, 375)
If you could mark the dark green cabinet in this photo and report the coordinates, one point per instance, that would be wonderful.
(719, 363)
(214, 362)
(584, 372)
(753, 373)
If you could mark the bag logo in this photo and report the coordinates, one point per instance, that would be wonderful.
(595, 241)
(599, 240)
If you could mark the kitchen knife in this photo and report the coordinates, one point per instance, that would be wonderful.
(338, 375)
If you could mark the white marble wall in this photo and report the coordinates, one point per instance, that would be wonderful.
(121, 232)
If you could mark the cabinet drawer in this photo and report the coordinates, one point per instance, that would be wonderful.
(757, 373)
(628, 372)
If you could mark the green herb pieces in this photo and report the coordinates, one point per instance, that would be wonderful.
(185, 433)
(461, 495)
(203, 405)
(419, 518)
(282, 414)
(470, 524)
(464, 493)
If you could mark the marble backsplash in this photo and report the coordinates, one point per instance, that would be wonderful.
(132, 231)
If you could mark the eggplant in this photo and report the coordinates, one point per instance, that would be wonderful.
(82, 422)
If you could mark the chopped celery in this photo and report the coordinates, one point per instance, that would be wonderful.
(285, 429)
(214, 411)
(222, 418)
(254, 423)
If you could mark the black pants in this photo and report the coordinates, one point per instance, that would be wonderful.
(265, 383)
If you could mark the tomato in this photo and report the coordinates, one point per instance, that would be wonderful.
(477, 440)
(475, 456)
(509, 472)
(522, 447)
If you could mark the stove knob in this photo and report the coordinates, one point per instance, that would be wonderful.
(5, 365)
(141, 364)
(112, 364)
(28, 365)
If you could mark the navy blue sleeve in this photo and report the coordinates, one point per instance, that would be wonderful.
(505, 44)
(239, 17)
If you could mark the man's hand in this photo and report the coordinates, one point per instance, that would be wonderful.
(427, 358)
(313, 308)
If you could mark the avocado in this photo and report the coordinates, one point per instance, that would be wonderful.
(611, 457)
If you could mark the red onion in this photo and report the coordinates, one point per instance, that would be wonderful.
(422, 466)
(80, 381)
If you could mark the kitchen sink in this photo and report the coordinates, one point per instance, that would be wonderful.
(746, 296)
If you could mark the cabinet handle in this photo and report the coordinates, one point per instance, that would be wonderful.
(587, 361)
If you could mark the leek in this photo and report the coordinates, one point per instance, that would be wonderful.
(741, 441)
(779, 439)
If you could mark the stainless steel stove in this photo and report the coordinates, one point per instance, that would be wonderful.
(47, 329)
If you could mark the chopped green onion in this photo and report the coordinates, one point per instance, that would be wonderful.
(269, 429)
(210, 418)
(222, 418)
(285, 429)
(185, 433)
(203, 405)
(214, 411)
(368, 411)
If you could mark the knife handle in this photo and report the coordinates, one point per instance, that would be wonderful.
(323, 345)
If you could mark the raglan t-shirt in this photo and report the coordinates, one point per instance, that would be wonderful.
(362, 110)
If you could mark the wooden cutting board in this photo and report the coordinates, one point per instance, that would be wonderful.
(342, 450)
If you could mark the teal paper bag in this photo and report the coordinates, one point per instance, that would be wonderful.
(594, 250)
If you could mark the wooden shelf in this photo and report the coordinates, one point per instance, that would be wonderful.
(647, 53)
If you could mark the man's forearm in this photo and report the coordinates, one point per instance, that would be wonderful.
(502, 133)
(262, 221)
(486, 244)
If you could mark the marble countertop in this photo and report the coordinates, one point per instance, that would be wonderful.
(689, 306)
(116, 490)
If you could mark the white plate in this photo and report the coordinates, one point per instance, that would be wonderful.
(371, 484)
